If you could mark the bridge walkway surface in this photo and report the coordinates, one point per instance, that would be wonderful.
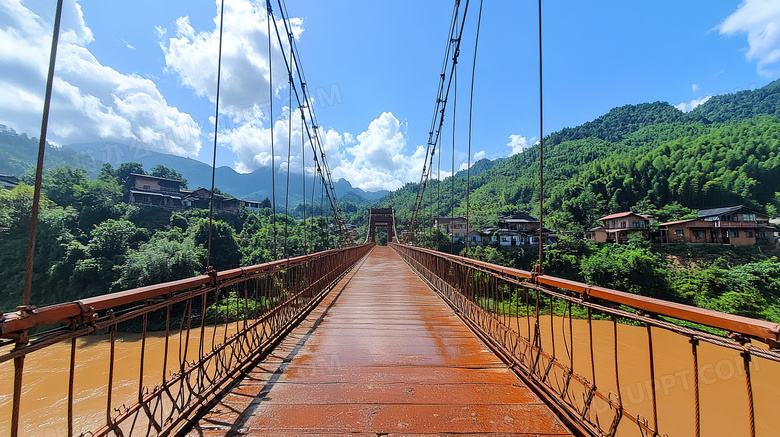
(381, 355)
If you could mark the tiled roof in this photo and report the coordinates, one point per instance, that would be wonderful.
(624, 214)
(719, 211)
(676, 222)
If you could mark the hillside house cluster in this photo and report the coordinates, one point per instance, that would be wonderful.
(168, 193)
(735, 225)
(519, 229)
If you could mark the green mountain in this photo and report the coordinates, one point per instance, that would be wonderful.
(18, 155)
(741, 105)
(646, 157)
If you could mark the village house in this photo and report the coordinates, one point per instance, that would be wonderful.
(155, 191)
(617, 228)
(9, 181)
(597, 234)
(734, 225)
(454, 227)
(686, 231)
(518, 229)
(482, 237)
(201, 198)
(252, 205)
(351, 229)
(522, 229)
(775, 223)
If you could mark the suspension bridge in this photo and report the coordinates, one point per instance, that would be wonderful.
(381, 340)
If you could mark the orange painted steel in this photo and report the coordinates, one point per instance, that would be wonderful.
(381, 355)
(521, 315)
(245, 311)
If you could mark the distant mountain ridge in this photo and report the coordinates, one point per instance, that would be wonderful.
(18, 154)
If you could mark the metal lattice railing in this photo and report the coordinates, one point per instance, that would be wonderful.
(166, 351)
(614, 363)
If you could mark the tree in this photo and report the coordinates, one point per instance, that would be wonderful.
(98, 200)
(225, 253)
(162, 171)
(160, 260)
(123, 176)
(59, 182)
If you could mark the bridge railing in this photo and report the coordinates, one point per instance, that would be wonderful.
(163, 352)
(611, 362)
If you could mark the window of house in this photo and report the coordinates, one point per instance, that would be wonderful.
(749, 217)
(680, 232)
(749, 234)
(699, 234)
(147, 187)
(734, 234)
(622, 224)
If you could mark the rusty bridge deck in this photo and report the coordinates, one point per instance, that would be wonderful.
(382, 354)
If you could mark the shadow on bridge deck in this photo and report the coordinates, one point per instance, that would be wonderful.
(382, 354)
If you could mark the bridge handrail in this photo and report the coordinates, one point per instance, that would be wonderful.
(252, 308)
(21, 320)
(493, 300)
(762, 330)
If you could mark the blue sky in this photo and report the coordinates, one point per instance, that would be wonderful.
(143, 73)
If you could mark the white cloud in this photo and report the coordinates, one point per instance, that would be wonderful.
(474, 158)
(379, 159)
(695, 88)
(688, 106)
(90, 101)
(191, 55)
(376, 159)
(127, 44)
(250, 140)
(760, 20)
(518, 143)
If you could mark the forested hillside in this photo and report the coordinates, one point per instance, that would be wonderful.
(91, 242)
(637, 157)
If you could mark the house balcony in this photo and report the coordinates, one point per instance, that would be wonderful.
(730, 224)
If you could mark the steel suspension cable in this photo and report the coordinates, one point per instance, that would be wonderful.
(541, 149)
(313, 135)
(438, 182)
(311, 206)
(453, 45)
(216, 130)
(30, 258)
(452, 178)
(269, 17)
(471, 111)
(303, 182)
(289, 152)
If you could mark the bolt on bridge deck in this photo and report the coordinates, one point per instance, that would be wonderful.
(381, 354)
